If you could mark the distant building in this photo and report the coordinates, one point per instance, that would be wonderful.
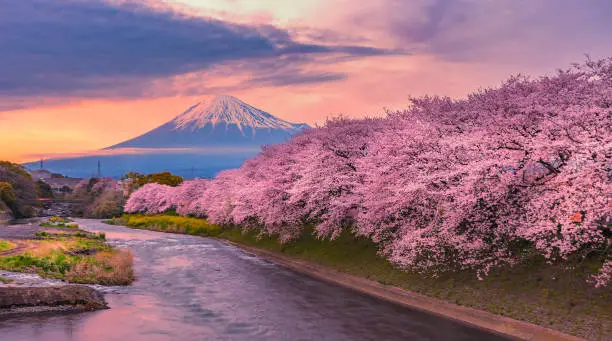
(41, 174)
(57, 182)
(63, 185)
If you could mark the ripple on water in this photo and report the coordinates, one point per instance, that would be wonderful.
(194, 289)
(28, 279)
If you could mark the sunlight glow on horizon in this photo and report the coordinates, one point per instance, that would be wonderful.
(481, 50)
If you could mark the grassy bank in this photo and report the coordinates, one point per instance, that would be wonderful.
(554, 296)
(72, 255)
(168, 223)
(6, 245)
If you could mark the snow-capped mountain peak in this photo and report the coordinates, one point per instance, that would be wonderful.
(218, 121)
(229, 110)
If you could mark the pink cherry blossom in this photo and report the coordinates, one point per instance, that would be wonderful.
(446, 184)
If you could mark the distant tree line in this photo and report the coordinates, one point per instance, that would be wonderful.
(105, 197)
(135, 180)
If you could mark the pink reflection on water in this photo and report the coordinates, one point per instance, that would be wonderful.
(175, 262)
(131, 318)
(128, 313)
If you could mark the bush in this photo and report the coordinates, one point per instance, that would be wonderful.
(135, 180)
(105, 268)
(24, 202)
(43, 189)
(7, 193)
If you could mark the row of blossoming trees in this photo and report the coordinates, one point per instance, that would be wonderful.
(504, 174)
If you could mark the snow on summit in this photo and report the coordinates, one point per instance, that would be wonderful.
(215, 134)
(224, 109)
(217, 121)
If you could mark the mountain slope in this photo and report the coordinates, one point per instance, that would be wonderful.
(218, 121)
(215, 134)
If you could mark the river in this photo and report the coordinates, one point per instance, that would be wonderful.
(192, 288)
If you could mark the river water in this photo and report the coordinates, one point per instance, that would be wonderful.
(192, 288)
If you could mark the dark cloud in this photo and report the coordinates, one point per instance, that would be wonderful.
(297, 78)
(532, 32)
(95, 48)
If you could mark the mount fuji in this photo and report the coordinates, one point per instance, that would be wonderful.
(217, 121)
(216, 133)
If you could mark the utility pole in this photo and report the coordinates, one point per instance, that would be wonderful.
(99, 175)
(41, 163)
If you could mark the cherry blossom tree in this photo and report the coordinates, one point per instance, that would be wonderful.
(151, 198)
(186, 195)
(517, 171)
(329, 175)
(604, 277)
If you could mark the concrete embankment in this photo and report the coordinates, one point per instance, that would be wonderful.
(495, 323)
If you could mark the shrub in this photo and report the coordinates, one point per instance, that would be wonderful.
(7, 193)
(24, 202)
(135, 180)
(106, 268)
(43, 189)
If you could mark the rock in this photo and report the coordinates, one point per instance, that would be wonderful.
(19, 300)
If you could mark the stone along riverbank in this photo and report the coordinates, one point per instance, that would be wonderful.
(190, 288)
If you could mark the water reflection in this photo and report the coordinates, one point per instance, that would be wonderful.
(191, 288)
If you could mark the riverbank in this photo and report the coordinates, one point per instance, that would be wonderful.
(552, 296)
(58, 249)
(478, 318)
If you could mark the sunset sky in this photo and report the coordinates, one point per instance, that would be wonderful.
(79, 75)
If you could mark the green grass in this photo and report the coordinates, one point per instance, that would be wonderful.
(108, 267)
(83, 257)
(57, 219)
(169, 223)
(555, 296)
(91, 244)
(52, 266)
(62, 225)
(5, 280)
(5, 245)
(59, 222)
(65, 236)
